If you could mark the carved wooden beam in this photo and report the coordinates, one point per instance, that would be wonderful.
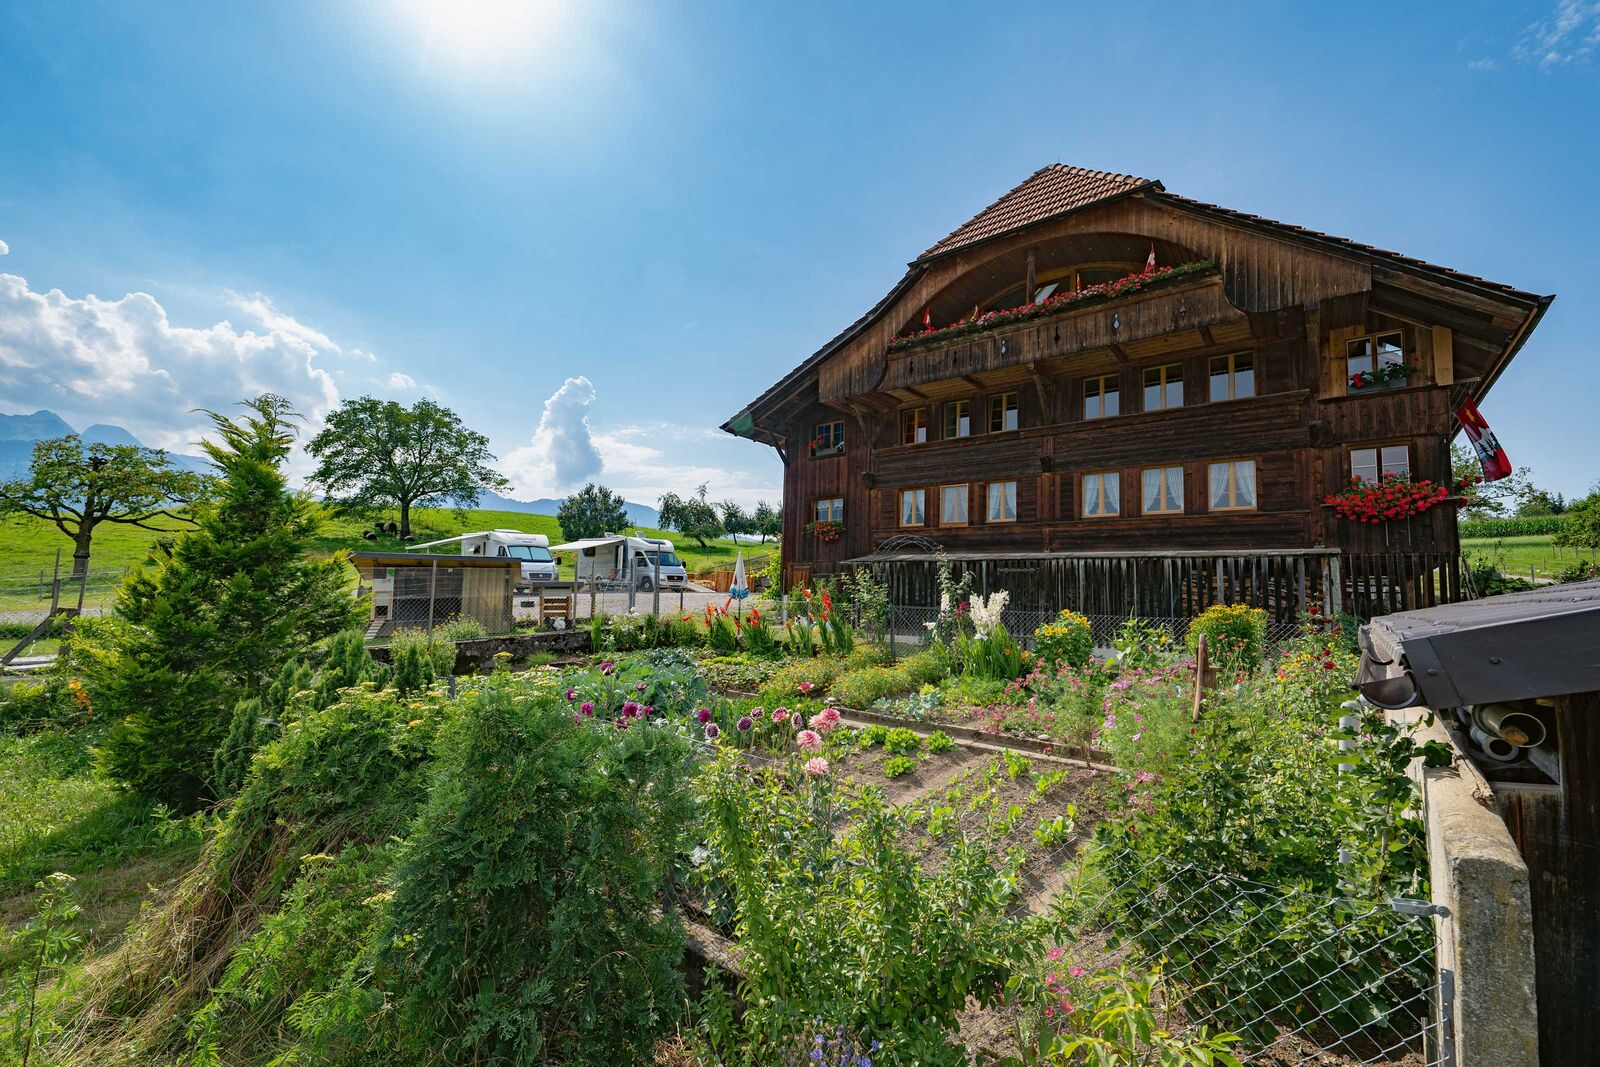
(1120, 352)
(970, 380)
(1205, 332)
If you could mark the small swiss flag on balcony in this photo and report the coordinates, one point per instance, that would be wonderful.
(1150, 263)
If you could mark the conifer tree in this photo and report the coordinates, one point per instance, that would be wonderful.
(210, 618)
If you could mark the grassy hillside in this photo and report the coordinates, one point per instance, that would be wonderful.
(30, 547)
(1517, 555)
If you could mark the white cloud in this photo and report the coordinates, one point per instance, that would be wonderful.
(5, 249)
(562, 453)
(641, 462)
(1481, 64)
(123, 361)
(402, 381)
(1569, 34)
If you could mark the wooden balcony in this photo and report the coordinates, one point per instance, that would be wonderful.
(1190, 315)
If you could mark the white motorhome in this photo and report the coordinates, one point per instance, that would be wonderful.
(531, 550)
(623, 561)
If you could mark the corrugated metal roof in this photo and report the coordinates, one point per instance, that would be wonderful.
(1049, 191)
(1544, 642)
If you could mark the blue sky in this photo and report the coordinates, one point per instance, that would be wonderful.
(677, 203)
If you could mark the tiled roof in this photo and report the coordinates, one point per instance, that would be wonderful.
(1048, 191)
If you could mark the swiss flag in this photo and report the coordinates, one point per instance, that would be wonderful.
(1491, 457)
(1150, 262)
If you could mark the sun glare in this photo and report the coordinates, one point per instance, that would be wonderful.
(483, 33)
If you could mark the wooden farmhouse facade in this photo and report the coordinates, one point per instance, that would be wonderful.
(1095, 369)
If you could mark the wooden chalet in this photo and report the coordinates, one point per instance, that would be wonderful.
(1033, 400)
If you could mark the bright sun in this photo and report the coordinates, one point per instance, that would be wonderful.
(483, 33)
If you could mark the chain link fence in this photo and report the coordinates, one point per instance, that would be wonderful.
(910, 625)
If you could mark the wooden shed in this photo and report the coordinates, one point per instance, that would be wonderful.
(426, 590)
(1516, 678)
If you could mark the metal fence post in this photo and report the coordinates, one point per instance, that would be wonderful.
(433, 585)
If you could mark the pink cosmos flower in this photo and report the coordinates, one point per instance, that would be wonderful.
(806, 687)
(1055, 953)
(1076, 971)
(825, 720)
(816, 767)
(779, 714)
(809, 740)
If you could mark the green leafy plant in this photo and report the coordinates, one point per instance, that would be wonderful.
(799, 858)
(902, 742)
(39, 952)
(939, 741)
(1123, 1030)
(895, 766)
(1235, 635)
(1054, 832)
(1067, 639)
(462, 628)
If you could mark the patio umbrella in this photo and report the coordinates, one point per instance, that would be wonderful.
(739, 588)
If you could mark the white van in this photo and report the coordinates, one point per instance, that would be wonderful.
(625, 561)
(533, 550)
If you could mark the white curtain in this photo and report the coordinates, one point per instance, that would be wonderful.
(1152, 490)
(1219, 485)
(1174, 488)
(1112, 491)
(1091, 495)
(1244, 476)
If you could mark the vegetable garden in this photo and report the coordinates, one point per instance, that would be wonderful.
(967, 851)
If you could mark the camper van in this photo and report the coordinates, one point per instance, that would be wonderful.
(632, 561)
(532, 550)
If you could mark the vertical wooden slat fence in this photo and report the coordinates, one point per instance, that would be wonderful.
(1180, 585)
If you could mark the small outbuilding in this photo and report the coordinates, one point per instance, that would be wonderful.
(425, 590)
(1516, 680)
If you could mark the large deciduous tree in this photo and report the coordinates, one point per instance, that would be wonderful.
(77, 488)
(209, 619)
(693, 516)
(375, 453)
(590, 512)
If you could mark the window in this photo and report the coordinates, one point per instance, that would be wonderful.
(1100, 275)
(829, 437)
(831, 510)
(1233, 485)
(1100, 396)
(1372, 354)
(1163, 387)
(1233, 377)
(1163, 490)
(1102, 495)
(958, 419)
(1383, 461)
(1002, 412)
(1002, 502)
(953, 505)
(913, 507)
(914, 426)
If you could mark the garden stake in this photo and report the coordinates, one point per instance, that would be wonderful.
(1199, 676)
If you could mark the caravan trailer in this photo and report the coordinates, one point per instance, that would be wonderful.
(531, 550)
(629, 561)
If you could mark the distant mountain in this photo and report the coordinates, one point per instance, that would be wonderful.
(19, 432)
(31, 428)
(102, 434)
(638, 514)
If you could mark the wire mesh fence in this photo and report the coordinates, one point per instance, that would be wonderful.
(910, 625)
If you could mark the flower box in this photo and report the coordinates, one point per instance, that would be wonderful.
(1103, 293)
(819, 449)
(825, 530)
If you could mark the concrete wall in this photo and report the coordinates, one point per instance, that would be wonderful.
(1486, 941)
